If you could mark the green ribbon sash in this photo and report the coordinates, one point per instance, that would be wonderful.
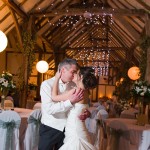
(37, 123)
(9, 126)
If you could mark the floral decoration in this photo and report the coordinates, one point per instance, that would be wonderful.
(121, 105)
(141, 88)
(6, 83)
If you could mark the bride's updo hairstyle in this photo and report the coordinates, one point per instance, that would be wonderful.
(89, 79)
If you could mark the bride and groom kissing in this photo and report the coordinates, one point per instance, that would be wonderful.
(64, 108)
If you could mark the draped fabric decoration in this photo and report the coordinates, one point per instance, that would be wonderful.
(9, 126)
(101, 136)
(118, 135)
(9, 130)
(37, 123)
(32, 133)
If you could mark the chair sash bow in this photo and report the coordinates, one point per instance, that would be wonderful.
(9, 126)
(116, 134)
(34, 120)
(37, 123)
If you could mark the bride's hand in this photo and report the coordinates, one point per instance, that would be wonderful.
(58, 74)
(85, 114)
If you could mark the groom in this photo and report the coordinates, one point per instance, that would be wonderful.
(54, 114)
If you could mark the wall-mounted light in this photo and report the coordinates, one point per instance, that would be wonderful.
(3, 41)
(134, 73)
(42, 66)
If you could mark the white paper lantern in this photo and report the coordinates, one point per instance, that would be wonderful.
(42, 66)
(134, 73)
(3, 41)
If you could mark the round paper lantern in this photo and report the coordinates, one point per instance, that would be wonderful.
(42, 66)
(3, 41)
(134, 73)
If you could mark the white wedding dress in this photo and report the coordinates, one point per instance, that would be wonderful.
(76, 134)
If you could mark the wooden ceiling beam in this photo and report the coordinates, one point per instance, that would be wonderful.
(114, 61)
(117, 37)
(17, 26)
(47, 26)
(116, 55)
(145, 5)
(15, 7)
(127, 26)
(98, 48)
(98, 39)
(46, 42)
(95, 11)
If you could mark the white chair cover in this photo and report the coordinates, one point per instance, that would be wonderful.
(9, 130)
(100, 141)
(102, 114)
(32, 132)
(145, 144)
(131, 113)
(119, 137)
(37, 106)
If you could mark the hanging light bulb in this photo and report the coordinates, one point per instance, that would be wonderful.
(42, 66)
(3, 41)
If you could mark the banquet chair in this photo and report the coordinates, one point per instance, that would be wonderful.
(32, 132)
(8, 105)
(101, 136)
(130, 113)
(118, 136)
(9, 130)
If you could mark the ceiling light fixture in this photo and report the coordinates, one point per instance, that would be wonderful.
(42, 66)
(134, 73)
(3, 41)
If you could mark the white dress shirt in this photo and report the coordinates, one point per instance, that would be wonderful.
(54, 114)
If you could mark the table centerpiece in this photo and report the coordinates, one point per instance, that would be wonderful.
(6, 85)
(141, 92)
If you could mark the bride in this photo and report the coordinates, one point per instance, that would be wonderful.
(76, 134)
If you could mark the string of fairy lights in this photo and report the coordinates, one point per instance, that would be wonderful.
(96, 58)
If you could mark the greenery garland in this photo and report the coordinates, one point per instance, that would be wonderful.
(27, 50)
(144, 45)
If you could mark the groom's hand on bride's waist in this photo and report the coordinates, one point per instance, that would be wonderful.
(76, 96)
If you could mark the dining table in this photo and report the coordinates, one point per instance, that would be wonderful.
(135, 133)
